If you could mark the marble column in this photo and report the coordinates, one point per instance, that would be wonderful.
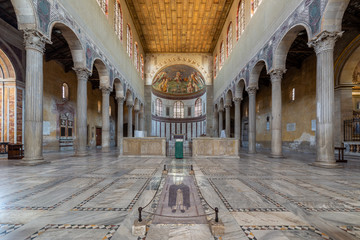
(120, 123)
(227, 120)
(136, 120)
(276, 106)
(252, 119)
(130, 107)
(105, 135)
(81, 111)
(33, 136)
(237, 102)
(142, 120)
(324, 47)
(216, 123)
(221, 121)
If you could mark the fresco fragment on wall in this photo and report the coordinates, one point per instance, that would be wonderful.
(315, 15)
(356, 74)
(44, 14)
(178, 79)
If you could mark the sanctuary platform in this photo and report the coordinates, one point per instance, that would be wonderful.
(149, 146)
(215, 147)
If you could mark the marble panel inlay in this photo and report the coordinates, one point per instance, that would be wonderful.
(277, 232)
(251, 197)
(60, 231)
(8, 228)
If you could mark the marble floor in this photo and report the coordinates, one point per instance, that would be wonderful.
(98, 196)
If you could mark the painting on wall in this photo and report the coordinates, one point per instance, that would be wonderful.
(356, 74)
(178, 79)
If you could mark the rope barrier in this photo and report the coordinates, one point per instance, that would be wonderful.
(155, 214)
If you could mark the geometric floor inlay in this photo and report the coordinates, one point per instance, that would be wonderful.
(283, 232)
(62, 231)
(8, 228)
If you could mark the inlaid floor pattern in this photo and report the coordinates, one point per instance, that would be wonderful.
(98, 196)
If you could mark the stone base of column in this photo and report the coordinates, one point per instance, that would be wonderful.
(31, 162)
(274, 155)
(251, 152)
(105, 149)
(325, 165)
(81, 154)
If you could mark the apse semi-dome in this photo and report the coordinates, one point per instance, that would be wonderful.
(178, 80)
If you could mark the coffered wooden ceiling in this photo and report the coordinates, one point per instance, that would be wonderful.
(179, 25)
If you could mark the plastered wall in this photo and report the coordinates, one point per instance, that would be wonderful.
(297, 115)
(101, 28)
(54, 77)
(259, 29)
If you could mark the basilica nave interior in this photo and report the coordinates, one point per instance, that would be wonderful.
(179, 119)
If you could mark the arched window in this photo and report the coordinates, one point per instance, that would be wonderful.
(254, 5)
(215, 65)
(118, 20)
(198, 107)
(142, 67)
(129, 41)
(99, 106)
(240, 19)
(159, 107)
(104, 5)
(136, 54)
(222, 54)
(179, 109)
(229, 40)
(65, 91)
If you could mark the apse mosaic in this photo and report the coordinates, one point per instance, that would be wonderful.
(178, 79)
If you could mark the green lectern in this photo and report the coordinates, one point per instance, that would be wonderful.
(179, 148)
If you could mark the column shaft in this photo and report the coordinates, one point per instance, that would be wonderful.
(324, 48)
(221, 121)
(237, 118)
(105, 137)
(216, 123)
(81, 111)
(136, 120)
(227, 120)
(130, 107)
(252, 119)
(33, 136)
(142, 122)
(276, 108)
(120, 123)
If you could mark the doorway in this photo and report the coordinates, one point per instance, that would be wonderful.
(98, 136)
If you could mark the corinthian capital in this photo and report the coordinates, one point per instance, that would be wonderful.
(105, 90)
(325, 41)
(237, 100)
(82, 74)
(252, 90)
(120, 100)
(276, 75)
(35, 40)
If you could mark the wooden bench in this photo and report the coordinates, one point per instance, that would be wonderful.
(341, 154)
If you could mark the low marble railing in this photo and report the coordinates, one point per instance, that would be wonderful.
(215, 147)
(149, 146)
(352, 148)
